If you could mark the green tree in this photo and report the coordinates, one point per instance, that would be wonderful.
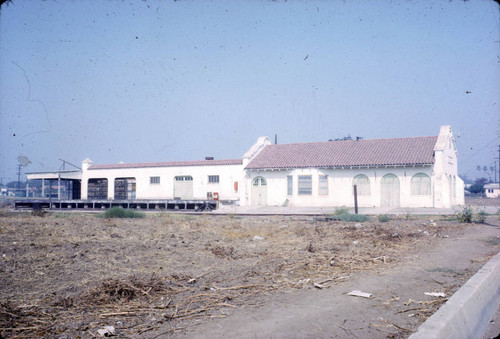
(478, 186)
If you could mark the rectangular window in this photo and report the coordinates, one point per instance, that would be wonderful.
(305, 185)
(289, 185)
(213, 179)
(323, 185)
(154, 180)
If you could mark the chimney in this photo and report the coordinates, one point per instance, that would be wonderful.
(209, 158)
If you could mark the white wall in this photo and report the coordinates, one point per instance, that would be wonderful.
(228, 174)
(448, 187)
(340, 187)
(492, 191)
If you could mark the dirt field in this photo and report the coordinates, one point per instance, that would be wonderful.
(67, 275)
(481, 201)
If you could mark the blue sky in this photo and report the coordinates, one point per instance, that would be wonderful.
(140, 81)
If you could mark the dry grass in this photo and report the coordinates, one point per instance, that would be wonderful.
(71, 273)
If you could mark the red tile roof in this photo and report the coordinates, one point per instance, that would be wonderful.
(170, 164)
(347, 153)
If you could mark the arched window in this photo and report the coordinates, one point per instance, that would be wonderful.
(420, 184)
(259, 181)
(362, 184)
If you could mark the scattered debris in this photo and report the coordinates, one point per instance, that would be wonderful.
(357, 293)
(310, 248)
(404, 329)
(390, 301)
(436, 294)
(107, 331)
(303, 281)
(383, 258)
(437, 301)
(179, 267)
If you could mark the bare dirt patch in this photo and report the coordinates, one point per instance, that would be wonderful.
(68, 275)
(482, 201)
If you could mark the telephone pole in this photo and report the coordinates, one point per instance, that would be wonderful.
(495, 171)
(498, 165)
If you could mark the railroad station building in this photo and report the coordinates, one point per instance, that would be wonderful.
(399, 172)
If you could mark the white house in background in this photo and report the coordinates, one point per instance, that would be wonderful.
(402, 172)
(492, 190)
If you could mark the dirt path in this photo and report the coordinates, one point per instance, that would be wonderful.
(395, 310)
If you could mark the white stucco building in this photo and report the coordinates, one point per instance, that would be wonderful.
(184, 180)
(401, 172)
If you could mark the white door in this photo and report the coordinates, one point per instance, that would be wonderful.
(259, 191)
(389, 191)
(183, 187)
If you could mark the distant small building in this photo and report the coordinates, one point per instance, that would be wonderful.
(492, 190)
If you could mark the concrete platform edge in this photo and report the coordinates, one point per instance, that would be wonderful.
(468, 312)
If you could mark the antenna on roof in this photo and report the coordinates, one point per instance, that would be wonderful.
(64, 162)
(23, 160)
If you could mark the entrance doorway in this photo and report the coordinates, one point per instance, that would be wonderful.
(259, 191)
(389, 191)
(183, 187)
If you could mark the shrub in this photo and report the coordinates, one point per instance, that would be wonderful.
(343, 214)
(480, 216)
(469, 215)
(341, 210)
(383, 218)
(120, 212)
(465, 215)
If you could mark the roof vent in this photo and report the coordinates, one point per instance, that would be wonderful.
(209, 158)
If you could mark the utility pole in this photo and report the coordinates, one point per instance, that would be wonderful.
(495, 171)
(498, 165)
(18, 177)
